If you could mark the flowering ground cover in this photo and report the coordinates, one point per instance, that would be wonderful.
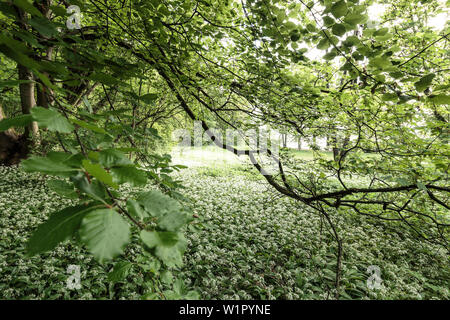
(248, 243)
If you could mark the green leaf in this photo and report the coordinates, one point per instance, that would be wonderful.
(328, 21)
(120, 271)
(385, 37)
(58, 11)
(323, 44)
(356, 18)
(351, 41)
(97, 171)
(157, 204)
(166, 277)
(339, 29)
(330, 55)
(380, 62)
(339, 9)
(192, 295)
(7, 10)
(381, 32)
(295, 37)
(440, 99)
(51, 119)
(12, 83)
(424, 82)
(59, 156)
(46, 165)
(135, 209)
(113, 157)
(396, 74)
(172, 221)
(389, 97)
(43, 26)
(105, 233)
(129, 174)
(62, 188)
(148, 98)
(28, 7)
(104, 78)
(421, 186)
(59, 227)
(88, 126)
(311, 27)
(16, 45)
(441, 87)
(169, 246)
(19, 121)
(94, 190)
(159, 238)
(17, 56)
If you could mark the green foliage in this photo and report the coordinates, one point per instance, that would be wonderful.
(158, 204)
(59, 227)
(168, 246)
(120, 271)
(19, 121)
(47, 166)
(339, 9)
(51, 119)
(97, 171)
(63, 188)
(129, 174)
(424, 82)
(266, 253)
(339, 29)
(105, 233)
(440, 99)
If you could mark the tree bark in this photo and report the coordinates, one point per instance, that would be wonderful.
(27, 99)
(26, 90)
(284, 139)
(339, 150)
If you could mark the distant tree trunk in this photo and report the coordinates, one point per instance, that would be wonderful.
(299, 143)
(444, 131)
(284, 139)
(13, 146)
(338, 150)
(329, 146)
(26, 90)
(313, 143)
(27, 99)
(334, 147)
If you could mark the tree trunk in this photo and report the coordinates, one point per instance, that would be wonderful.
(26, 90)
(27, 99)
(284, 139)
(339, 151)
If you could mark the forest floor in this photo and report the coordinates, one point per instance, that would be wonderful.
(250, 244)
